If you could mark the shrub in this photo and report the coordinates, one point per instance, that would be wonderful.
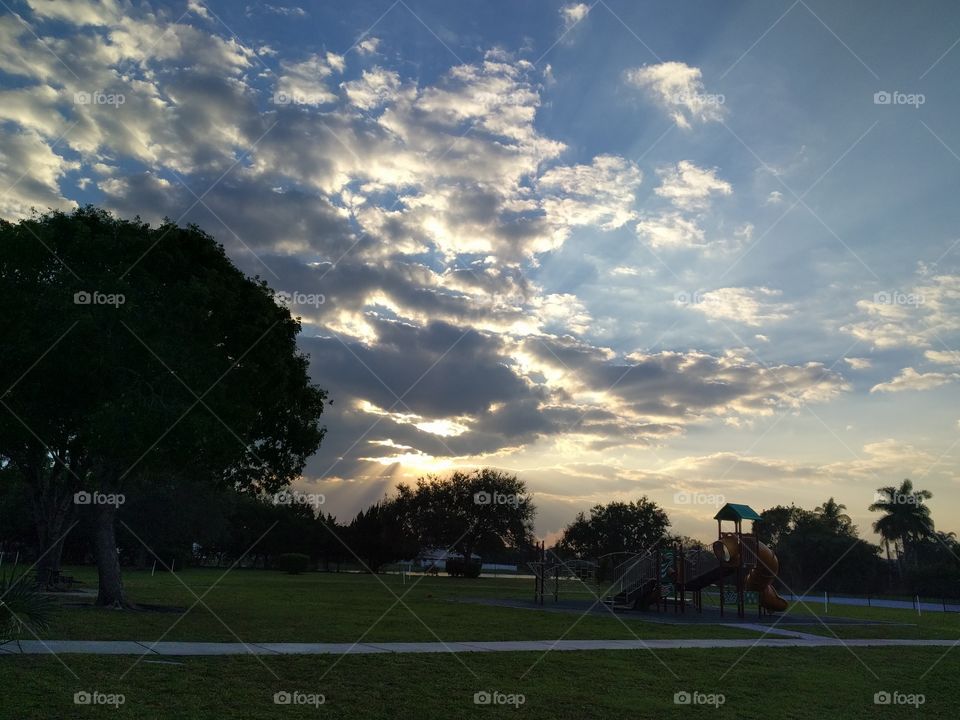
(293, 563)
(458, 567)
(23, 607)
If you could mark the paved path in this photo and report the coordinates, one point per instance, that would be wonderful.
(122, 647)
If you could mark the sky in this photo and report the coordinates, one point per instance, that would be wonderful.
(699, 251)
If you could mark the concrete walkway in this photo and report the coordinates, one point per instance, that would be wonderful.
(165, 649)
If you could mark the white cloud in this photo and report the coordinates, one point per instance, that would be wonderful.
(368, 46)
(199, 9)
(916, 316)
(671, 231)
(678, 89)
(943, 357)
(79, 12)
(751, 306)
(375, 87)
(303, 83)
(689, 187)
(573, 13)
(30, 174)
(910, 379)
(774, 198)
(601, 193)
(858, 363)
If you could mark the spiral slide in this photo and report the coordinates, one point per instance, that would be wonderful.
(761, 576)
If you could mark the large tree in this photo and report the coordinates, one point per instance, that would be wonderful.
(379, 535)
(819, 549)
(614, 528)
(142, 351)
(469, 512)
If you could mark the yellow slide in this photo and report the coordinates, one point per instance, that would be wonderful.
(760, 578)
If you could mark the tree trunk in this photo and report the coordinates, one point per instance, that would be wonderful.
(52, 507)
(111, 592)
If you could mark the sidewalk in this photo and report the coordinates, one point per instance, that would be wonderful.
(166, 649)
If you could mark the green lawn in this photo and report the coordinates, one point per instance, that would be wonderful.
(927, 626)
(772, 684)
(262, 606)
(767, 684)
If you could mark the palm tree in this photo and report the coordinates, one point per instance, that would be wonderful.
(906, 520)
(833, 515)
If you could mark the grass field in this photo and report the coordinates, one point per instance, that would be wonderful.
(926, 626)
(765, 684)
(261, 606)
(772, 684)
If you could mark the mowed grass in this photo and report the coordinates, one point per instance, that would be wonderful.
(762, 683)
(926, 626)
(263, 606)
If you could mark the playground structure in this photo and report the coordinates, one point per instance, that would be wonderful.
(738, 565)
(552, 572)
(663, 576)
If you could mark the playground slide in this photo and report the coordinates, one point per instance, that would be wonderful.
(708, 578)
(761, 579)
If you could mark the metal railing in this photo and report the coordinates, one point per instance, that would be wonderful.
(632, 573)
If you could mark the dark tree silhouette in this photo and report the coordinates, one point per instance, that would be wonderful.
(141, 352)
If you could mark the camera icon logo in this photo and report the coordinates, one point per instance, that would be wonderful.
(482, 698)
(82, 298)
(882, 98)
(882, 698)
(682, 698)
(482, 498)
(282, 698)
(82, 98)
(281, 98)
(82, 697)
(82, 498)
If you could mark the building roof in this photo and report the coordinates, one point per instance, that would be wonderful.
(732, 511)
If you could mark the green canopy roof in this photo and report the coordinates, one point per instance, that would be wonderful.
(732, 511)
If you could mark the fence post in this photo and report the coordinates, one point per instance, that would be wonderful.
(918, 605)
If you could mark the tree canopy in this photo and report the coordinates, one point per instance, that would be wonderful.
(143, 351)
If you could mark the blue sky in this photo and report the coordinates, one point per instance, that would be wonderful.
(676, 249)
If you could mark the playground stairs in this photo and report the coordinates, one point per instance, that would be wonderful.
(634, 581)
